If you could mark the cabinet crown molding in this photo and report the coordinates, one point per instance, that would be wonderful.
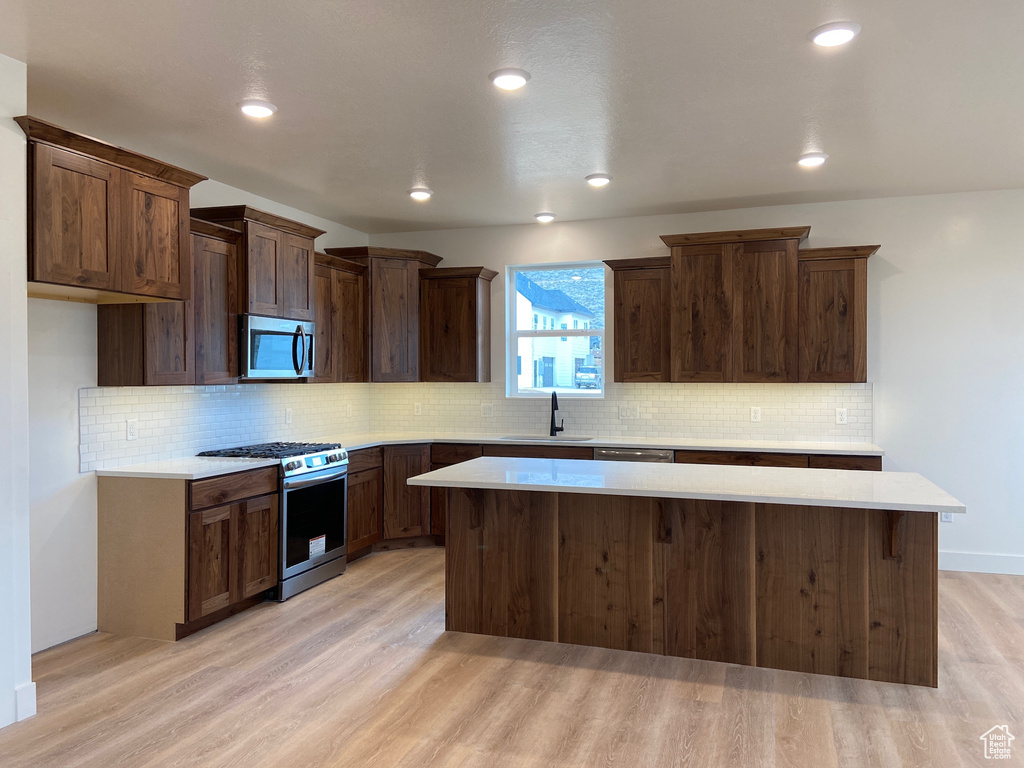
(43, 132)
(358, 252)
(839, 252)
(222, 213)
(217, 231)
(736, 236)
(335, 262)
(449, 272)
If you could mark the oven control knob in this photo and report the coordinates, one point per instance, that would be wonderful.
(292, 465)
(333, 458)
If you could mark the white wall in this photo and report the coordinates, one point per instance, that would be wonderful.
(946, 331)
(17, 692)
(62, 359)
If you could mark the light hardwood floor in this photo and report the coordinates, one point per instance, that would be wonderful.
(359, 672)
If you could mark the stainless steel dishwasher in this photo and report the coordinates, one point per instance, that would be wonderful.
(650, 455)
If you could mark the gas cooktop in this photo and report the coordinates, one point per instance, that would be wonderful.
(271, 450)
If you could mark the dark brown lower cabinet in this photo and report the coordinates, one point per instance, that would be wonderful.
(365, 508)
(755, 459)
(406, 507)
(232, 554)
(444, 455)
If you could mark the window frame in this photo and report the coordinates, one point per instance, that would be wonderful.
(512, 335)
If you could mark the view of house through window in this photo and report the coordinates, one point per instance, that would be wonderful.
(556, 341)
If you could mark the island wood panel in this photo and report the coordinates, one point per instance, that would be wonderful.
(502, 563)
(903, 606)
(539, 451)
(812, 589)
(642, 318)
(257, 546)
(704, 580)
(444, 455)
(406, 507)
(833, 320)
(742, 459)
(365, 508)
(702, 313)
(605, 571)
(74, 212)
(215, 305)
(765, 311)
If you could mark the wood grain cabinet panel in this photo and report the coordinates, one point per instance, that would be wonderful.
(105, 219)
(702, 313)
(212, 581)
(145, 345)
(642, 319)
(324, 362)
(257, 546)
(455, 324)
(539, 451)
(216, 491)
(742, 458)
(365, 508)
(215, 267)
(340, 319)
(350, 302)
(278, 261)
(406, 507)
(765, 311)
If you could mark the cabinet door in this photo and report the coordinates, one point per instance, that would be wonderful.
(833, 320)
(295, 277)
(158, 261)
(351, 307)
(264, 245)
(215, 305)
(642, 315)
(257, 546)
(169, 344)
(765, 321)
(448, 330)
(406, 507)
(212, 579)
(365, 508)
(74, 216)
(394, 315)
(325, 360)
(702, 313)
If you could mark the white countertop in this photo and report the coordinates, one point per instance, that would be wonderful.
(899, 491)
(199, 467)
(193, 468)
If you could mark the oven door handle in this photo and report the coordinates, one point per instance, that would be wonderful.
(303, 482)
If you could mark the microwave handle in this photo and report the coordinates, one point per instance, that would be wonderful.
(299, 361)
(309, 356)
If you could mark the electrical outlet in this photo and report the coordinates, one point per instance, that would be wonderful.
(947, 517)
(841, 416)
(287, 415)
(417, 409)
(348, 411)
(487, 410)
(755, 414)
(131, 429)
(629, 411)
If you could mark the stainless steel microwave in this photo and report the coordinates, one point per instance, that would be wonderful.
(273, 348)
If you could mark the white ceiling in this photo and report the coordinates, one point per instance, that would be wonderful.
(689, 106)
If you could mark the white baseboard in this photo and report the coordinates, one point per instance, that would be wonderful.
(25, 701)
(976, 562)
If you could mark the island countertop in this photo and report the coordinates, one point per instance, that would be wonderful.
(897, 491)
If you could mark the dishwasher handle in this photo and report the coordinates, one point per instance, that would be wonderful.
(634, 454)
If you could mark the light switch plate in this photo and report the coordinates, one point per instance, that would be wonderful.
(755, 414)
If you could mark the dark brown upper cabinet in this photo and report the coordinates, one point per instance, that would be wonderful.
(702, 312)
(393, 288)
(833, 313)
(107, 225)
(641, 318)
(173, 343)
(341, 321)
(455, 324)
(276, 278)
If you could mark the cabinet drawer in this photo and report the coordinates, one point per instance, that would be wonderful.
(742, 459)
(539, 451)
(233, 487)
(367, 458)
(873, 463)
(453, 453)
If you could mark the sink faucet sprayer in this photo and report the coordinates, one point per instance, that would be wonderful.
(554, 407)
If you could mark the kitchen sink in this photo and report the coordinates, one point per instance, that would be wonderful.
(547, 439)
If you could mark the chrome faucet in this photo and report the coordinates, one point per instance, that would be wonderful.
(554, 407)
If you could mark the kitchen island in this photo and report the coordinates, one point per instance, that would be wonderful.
(813, 570)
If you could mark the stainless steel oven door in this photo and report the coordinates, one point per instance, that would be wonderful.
(273, 348)
(314, 521)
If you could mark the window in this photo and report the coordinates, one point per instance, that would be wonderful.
(566, 353)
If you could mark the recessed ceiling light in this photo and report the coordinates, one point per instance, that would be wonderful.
(599, 179)
(812, 159)
(510, 79)
(837, 33)
(544, 217)
(420, 193)
(257, 108)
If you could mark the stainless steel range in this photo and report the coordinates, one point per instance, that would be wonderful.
(314, 519)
